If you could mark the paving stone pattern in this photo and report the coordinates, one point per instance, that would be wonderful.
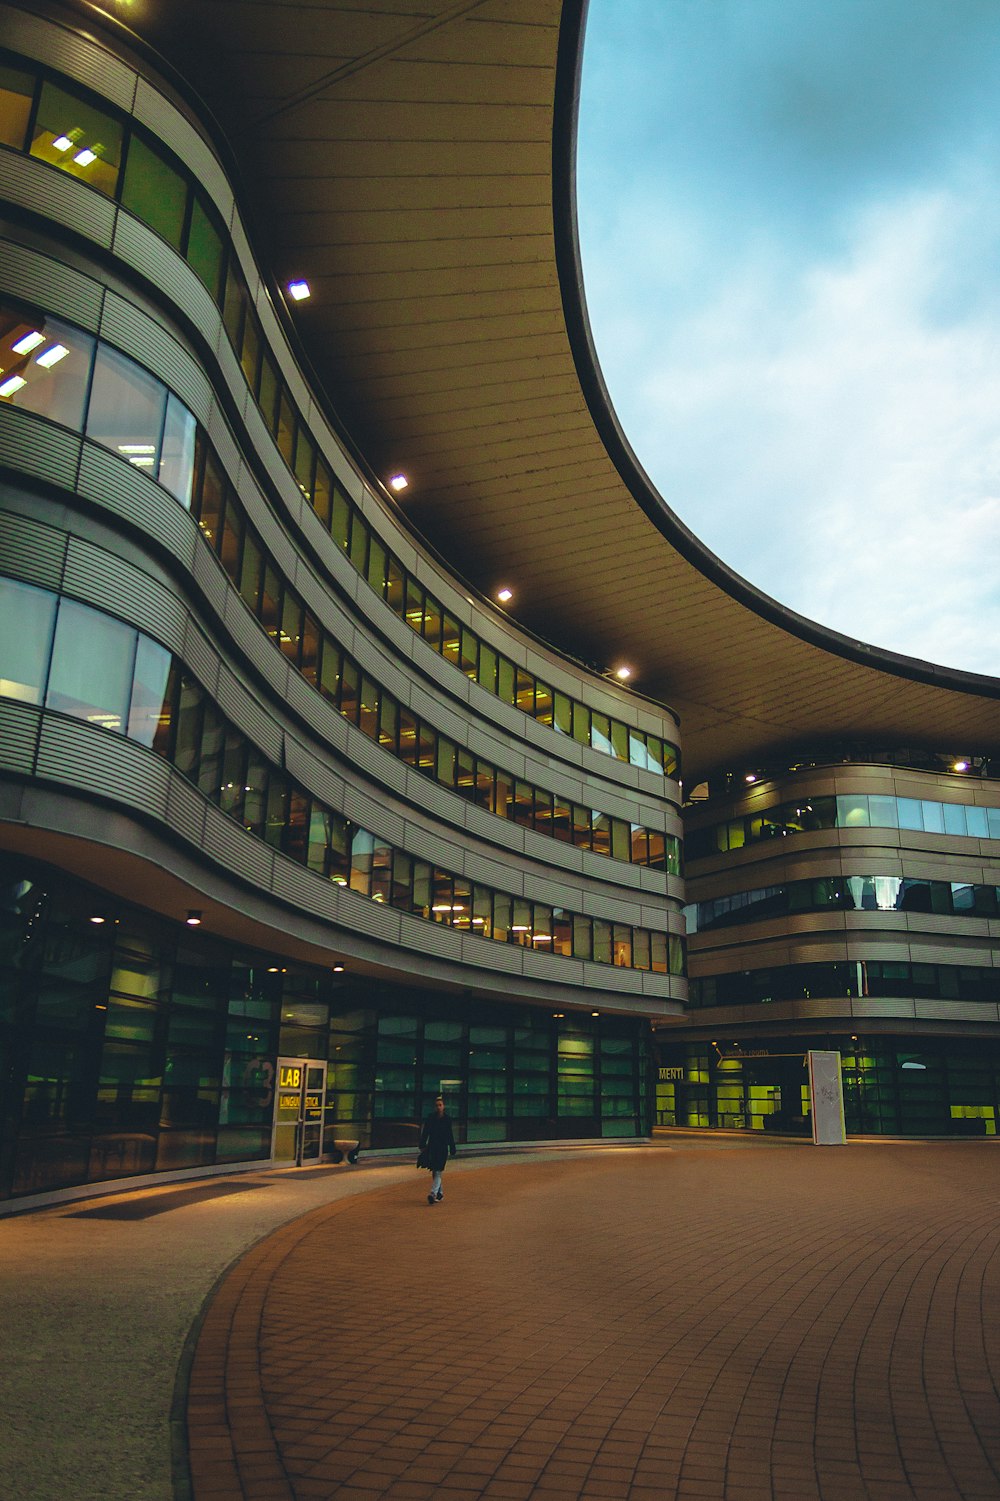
(774, 1324)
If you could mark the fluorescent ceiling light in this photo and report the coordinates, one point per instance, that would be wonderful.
(52, 356)
(27, 342)
(11, 384)
(85, 157)
(61, 143)
(136, 448)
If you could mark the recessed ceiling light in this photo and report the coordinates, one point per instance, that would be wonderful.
(11, 384)
(61, 143)
(52, 356)
(97, 918)
(398, 482)
(193, 918)
(85, 157)
(299, 290)
(505, 594)
(27, 342)
(338, 969)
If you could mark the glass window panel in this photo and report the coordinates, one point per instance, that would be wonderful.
(882, 811)
(152, 696)
(251, 570)
(524, 802)
(277, 808)
(601, 824)
(502, 916)
(267, 394)
(126, 409)
(27, 617)
(377, 564)
(450, 639)
(620, 740)
(445, 765)
(177, 458)
(976, 823)
(286, 427)
(402, 878)
(255, 799)
(250, 347)
(209, 764)
(470, 650)
(427, 749)
(305, 460)
(381, 883)
(465, 773)
(485, 788)
(269, 612)
(562, 714)
(621, 839)
(92, 661)
(295, 839)
(482, 911)
(16, 92)
(525, 692)
(422, 887)
(933, 817)
(583, 938)
(350, 690)
(543, 811)
(582, 832)
(330, 671)
(292, 615)
(581, 723)
(322, 497)
(49, 378)
(189, 715)
(395, 588)
(210, 494)
(340, 525)
(562, 820)
(602, 941)
(506, 680)
(432, 617)
(503, 805)
(310, 648)
(640, 949)
(543, 703)
(231, 541)
(954, 819)
(235, 304)
(388, 723)
(368, 712)
(621, 943)
(852, 812)
(600, 733)
(155, 191)
(233, 779)
(359, 542)
(408, 744)
(486, 672)
(205, 246)
(658, 952)
(908, 812)
(520, 926)
(78, 138)
(442, 897)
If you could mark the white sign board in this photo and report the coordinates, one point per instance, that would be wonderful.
(826, 1091)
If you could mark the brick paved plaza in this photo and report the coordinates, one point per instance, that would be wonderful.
(729, 1321)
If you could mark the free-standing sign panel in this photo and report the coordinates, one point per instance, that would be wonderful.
(826, 1091)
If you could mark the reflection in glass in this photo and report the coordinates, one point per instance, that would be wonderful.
(91, 673)
(44, 366)
(26, 620)
(126, 410)
(77, 138)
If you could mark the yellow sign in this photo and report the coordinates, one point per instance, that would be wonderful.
(290, 1078)
(671, 1073)
(313, 1101)
(289, 1102)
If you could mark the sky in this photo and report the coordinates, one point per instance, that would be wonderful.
(790, 226)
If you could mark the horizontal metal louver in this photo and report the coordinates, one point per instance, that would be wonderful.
(186, 810)
(235, 849)
(295, 885)
(36, 447)
(49, 284)
(97, 761)
(108, 582)
(244, 711)
(169, 126)
(374, 816)
(19, 726)
(112, 483)
(72, 54)
(201, 657)
(44, 190)
(149, 343)
(306, 769)
(31, 551)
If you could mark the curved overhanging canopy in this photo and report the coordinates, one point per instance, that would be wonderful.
(415, 162)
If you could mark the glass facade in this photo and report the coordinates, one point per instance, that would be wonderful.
(846, 894)
(893, 1085)
(133, 1044)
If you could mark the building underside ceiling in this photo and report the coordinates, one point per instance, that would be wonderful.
(400, 156)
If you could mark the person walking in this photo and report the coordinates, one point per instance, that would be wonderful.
(437, 1142)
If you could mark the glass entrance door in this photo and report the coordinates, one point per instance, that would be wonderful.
(298, 1111)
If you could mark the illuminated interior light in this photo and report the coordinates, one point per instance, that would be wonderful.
(52, 356)
(97, 918)
(299, 290)
(558, 1015)
(595, 1013)
(338, 969)
(519, 927)
(136, 448)
(61, 143)
(751, 776)
(85, 157)
(27, 342)
(398, 482)
(505, 595)
(340, 880)
(11, 384)
(542, 938)
(193, 918)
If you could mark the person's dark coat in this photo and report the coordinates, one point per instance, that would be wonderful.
(437, 1139)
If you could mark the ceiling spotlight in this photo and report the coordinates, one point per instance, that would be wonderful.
(398, 482)
(595, 1013)
(193, 918)
(505, 595)
(97, 918)
(299, 290)
(338, 969)
(623, 674)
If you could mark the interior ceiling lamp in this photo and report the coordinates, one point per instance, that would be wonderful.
(193, 918)
(338, 969)
(399, 483)
(298, 291)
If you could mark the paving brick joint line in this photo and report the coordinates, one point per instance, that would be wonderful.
(753, 1326)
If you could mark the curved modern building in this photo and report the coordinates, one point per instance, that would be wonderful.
(320, 792)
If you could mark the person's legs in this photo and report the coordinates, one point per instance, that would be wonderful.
(436, 1184)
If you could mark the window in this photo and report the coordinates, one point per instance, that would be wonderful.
(177, 458)
(205, 251)
(155, 191)
(149, 718)
(77, 138)
(27, 616)
(92, 660)
(126, 410)
(45, 366)
(16, 91)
